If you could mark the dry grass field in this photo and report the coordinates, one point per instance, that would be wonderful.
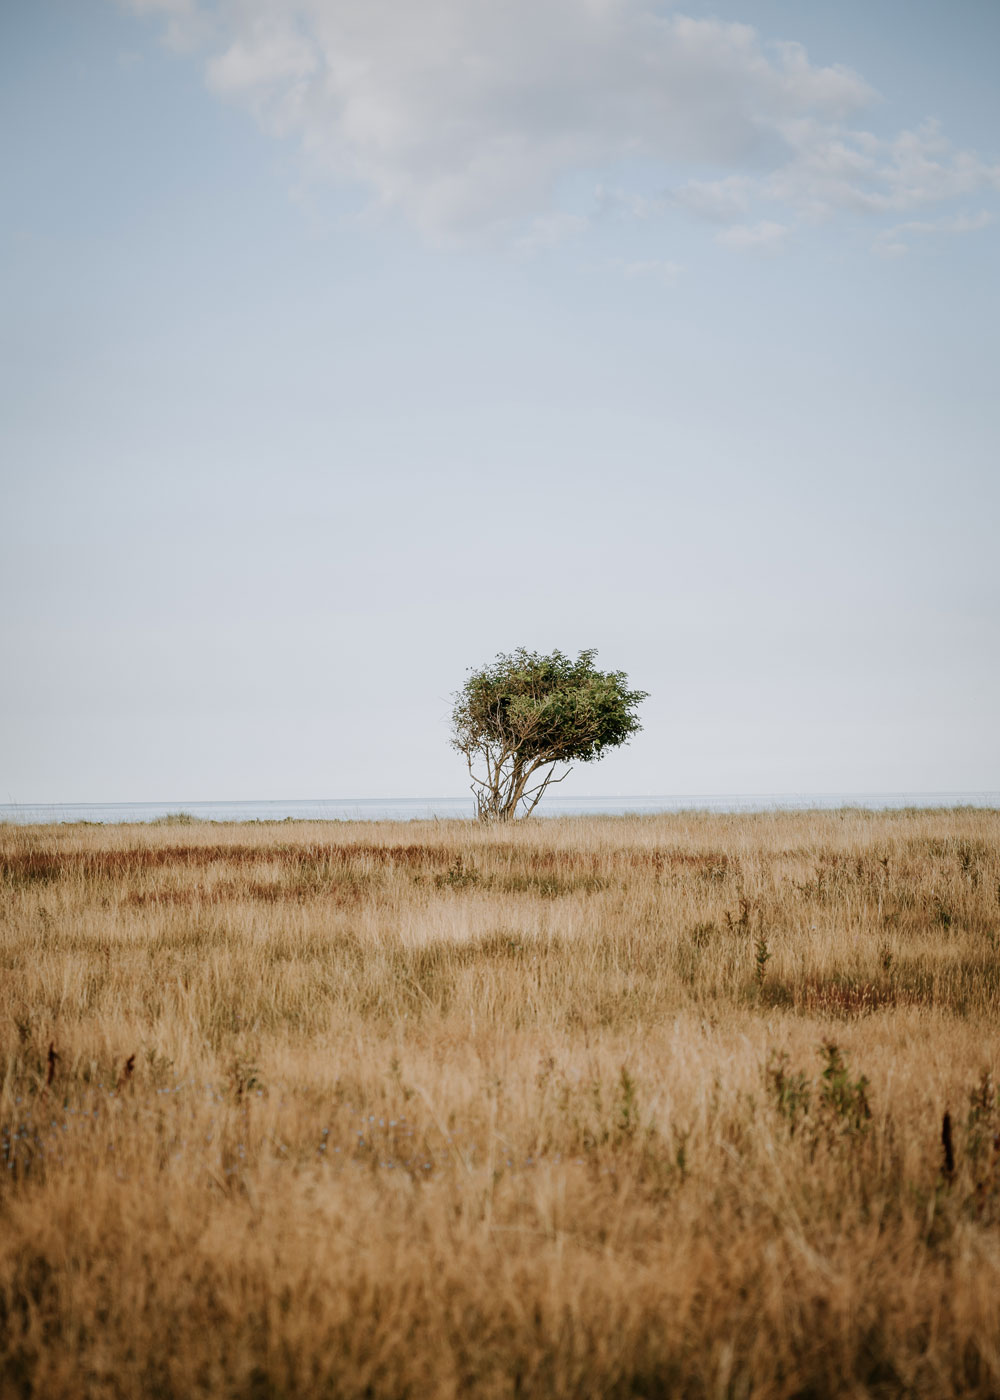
(593, 1107)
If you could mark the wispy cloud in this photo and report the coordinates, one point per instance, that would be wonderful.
(188, 23)
(765, 237)
(893, 241)
(719, 201)
(831, 171)
(658, 270)
(961, 223)
(549, 231)
(464, 117)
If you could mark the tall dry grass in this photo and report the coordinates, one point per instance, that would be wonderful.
(589, 1107)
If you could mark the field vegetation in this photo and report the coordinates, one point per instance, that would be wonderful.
(677, 1106)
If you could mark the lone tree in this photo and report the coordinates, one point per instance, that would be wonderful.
(520, 719)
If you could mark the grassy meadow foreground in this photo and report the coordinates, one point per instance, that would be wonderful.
(589, 1107)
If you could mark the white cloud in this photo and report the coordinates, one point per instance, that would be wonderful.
(469, 114)
(891, 243)
(653, 270)
(719, 201)
(548, 231)
(960, 223)
(765, 237)
(834, 170)
(188, 22)
(615, 202)
(272, 56)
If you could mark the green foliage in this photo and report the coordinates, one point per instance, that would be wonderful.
(550, 706)
(982, 1125)
(762, 957)
(836, 1107)
(790, 1089)
(704, 933)
(846, 1098)
(628, 1107)
(526, 714)
(459, 876)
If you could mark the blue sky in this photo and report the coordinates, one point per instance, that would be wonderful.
(346, 344)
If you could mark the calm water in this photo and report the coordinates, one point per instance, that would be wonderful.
(422, 808)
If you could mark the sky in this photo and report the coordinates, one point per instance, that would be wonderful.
(347, 343)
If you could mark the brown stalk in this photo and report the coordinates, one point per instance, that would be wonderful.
(948, 1145)
(128, 1070)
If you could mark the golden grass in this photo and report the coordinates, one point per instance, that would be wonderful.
(591, 1107)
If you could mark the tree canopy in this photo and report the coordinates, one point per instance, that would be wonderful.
(519, 719)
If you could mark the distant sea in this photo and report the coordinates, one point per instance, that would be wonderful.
(354, 809)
